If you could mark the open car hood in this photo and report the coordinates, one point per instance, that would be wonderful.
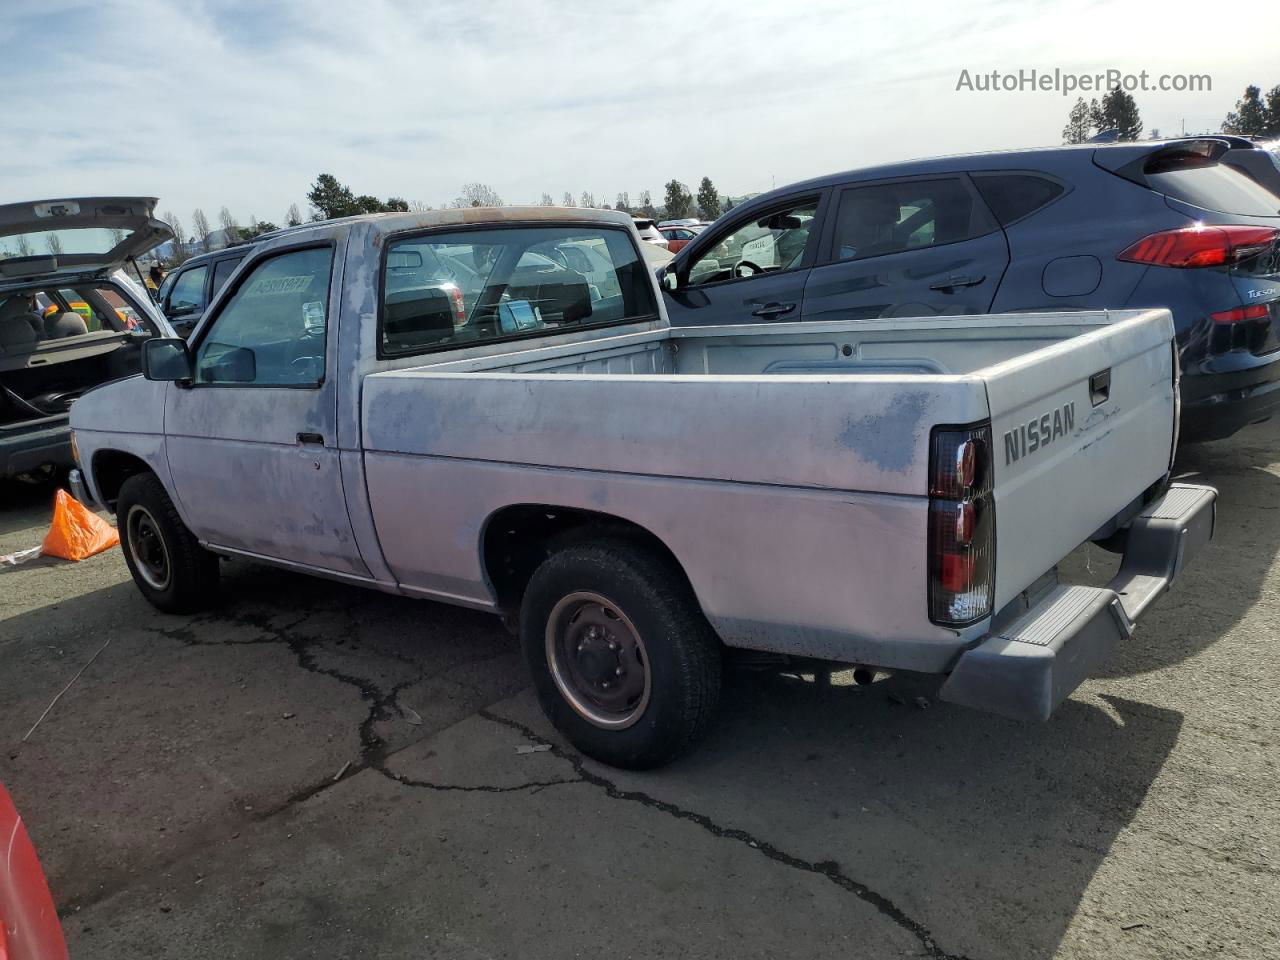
(87, 234)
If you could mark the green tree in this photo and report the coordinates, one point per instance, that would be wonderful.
(1251, 116)
(708, 200)
(1120, 113)
(1273, 112)
(679, 201)
(257, 228)
(1082, 121)
(330, 198)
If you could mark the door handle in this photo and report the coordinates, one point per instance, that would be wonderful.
(1100, 387)
(770, 310)
(313, 438)
(953, 283)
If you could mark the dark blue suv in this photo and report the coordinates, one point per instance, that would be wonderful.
(1149, 224)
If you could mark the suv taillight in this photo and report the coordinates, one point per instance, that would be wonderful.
(962, 519)
(1201, 246)
(459, 308)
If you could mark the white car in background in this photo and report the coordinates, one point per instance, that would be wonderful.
(648, 230)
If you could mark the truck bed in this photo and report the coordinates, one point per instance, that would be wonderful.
(806, 441)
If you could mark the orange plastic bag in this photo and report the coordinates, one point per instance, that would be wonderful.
(77, 532)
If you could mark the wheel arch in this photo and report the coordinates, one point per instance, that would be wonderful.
(516, 538)
(110, 469)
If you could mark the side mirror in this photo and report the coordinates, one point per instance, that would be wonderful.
(670, 280)
(166, 358)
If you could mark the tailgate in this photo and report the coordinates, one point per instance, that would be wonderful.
(1080, 430)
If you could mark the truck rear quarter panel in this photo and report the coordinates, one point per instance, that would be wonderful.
(814, 545)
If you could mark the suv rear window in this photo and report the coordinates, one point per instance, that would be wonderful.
(1012, 196)
(1216, 187)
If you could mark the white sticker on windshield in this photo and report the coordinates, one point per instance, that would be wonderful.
(278, 285)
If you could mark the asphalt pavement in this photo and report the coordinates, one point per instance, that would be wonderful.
(311, 770)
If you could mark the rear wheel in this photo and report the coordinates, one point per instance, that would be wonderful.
(624, 663)
(168, 564)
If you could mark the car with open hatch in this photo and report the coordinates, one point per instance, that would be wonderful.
(71, 317)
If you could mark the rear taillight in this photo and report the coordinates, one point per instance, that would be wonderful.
(1201, 246)
(1258, 311)
(459, 308)
(961, 525)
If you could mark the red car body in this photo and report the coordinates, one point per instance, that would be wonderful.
(678, 237)
(29, 928)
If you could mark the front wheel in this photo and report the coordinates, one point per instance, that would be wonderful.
(624, 663)
(172, 570)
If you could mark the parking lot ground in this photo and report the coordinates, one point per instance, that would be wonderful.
(312, 770)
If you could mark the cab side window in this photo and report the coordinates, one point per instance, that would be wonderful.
(889, 218)
(187, 295)
(222, 271)
(272, 331)
(769, 244)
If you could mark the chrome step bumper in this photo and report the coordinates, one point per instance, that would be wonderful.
(1026, 668)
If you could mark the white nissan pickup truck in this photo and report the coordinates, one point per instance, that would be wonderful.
(487, 407)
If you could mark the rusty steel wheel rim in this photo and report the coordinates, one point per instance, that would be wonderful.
(147, 547)
(598, 660)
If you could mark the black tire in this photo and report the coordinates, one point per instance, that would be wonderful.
(679, 653)
(172, 570)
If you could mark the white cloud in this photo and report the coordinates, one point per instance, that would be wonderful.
(243, 103)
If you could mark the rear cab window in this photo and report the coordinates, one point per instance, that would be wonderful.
(451, 288)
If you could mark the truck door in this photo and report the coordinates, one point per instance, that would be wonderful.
(252, 441)
(907, 248)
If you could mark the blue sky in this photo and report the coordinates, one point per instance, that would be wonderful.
(242, 104)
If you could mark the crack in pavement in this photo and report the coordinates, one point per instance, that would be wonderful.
(827, 868)
(374, 750)
(382, 704)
